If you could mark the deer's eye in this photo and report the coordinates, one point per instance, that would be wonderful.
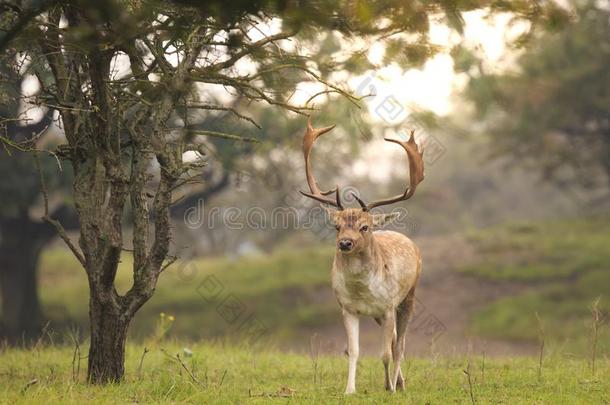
(365, 228)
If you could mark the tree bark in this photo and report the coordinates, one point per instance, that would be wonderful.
(109, 328)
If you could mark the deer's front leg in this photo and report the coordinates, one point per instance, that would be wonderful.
(389, 336)
(352, 329)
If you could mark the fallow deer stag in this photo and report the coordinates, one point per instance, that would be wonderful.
(374, 272)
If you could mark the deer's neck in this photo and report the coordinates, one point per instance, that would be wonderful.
(367, 260)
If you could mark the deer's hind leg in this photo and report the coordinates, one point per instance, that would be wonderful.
(403, 313)
(388, 328)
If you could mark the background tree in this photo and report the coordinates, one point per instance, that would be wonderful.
(552, 109)
(125, 78)
(22, 236)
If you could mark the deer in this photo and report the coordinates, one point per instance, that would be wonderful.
(374, 272)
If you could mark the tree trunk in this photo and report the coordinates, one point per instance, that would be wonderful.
(20, 249)
(108, 335)
(21, 314)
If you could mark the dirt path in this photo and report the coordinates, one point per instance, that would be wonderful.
(446, 301)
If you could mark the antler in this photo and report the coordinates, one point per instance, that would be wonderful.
(416, 172)
(309, 138)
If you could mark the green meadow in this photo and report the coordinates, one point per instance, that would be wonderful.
(183, 349)
(218, 373)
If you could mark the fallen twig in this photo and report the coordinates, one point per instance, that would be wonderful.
(283, 392)
(28, 385)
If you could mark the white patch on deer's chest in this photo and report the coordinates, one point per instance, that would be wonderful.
(363, 291)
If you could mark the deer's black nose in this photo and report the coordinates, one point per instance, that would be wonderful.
(346, 245)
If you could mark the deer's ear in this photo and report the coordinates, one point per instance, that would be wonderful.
(381, 220)
(332, 213)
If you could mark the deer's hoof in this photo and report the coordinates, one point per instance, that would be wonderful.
(350, 391)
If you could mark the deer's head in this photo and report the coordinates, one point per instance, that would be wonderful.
(355, 225)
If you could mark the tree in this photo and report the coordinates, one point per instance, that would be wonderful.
(21, 240)
(23, 237)
(552, 110)
(125, 78)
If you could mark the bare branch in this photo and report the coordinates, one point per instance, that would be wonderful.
(248, 48)
(249, 91)
(221, 108)
(60, 229)
(224, 135)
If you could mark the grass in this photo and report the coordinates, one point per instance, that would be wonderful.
(228, 374)
(562, 266)
(541, 252)
(280, 291)
(566, 266)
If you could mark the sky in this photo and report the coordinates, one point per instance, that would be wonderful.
(432, 87)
